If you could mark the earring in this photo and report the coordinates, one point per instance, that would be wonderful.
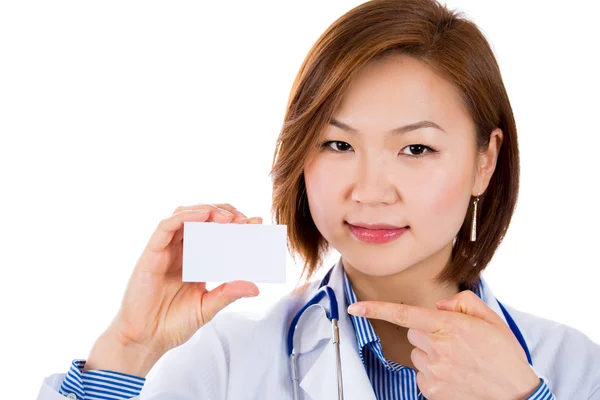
(474, 221)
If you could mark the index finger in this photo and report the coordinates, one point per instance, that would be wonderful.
(169, 226)
(404, 315)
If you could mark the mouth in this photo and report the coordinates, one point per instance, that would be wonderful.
(375, 225)
(376, 233)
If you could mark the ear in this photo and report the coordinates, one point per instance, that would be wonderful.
(486, 162)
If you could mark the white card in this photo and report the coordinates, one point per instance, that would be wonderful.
(214, 252)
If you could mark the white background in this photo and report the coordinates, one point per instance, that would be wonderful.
(114, 113)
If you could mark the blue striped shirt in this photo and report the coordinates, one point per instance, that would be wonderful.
(99, 384)
(390, 380)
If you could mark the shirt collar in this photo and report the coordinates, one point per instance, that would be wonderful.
(365, 334)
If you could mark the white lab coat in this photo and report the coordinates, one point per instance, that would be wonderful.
(238, 356)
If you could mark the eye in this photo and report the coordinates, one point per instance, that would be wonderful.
(419, 149)
(338, 146)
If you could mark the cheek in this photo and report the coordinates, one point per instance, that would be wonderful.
(322, 192)
(442, 197)
(449, 196)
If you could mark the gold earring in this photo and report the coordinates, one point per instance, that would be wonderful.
(474, 221)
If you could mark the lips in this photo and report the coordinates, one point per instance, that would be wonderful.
(375, 226)
(376, 233)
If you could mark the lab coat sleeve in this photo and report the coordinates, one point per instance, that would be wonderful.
(595, 395)
(198, 369)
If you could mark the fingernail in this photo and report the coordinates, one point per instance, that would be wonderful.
(254, 292)
(357, 310)
(224, 212)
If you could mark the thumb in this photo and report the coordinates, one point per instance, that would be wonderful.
(225, 294)
(468, 303)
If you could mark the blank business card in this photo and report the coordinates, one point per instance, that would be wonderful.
(214, 252)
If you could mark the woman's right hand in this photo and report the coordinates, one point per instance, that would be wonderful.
(159, 311)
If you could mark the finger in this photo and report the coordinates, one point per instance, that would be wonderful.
(223, 214)
(422, 384)
(400, 314)
(163, 235)
(240, 217)
(419, 359)
(467, 302)
(220, 213)
(225, 294)
(200, 206)
(420, 339)
(217, 215)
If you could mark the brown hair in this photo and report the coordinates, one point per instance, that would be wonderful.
(455, 48)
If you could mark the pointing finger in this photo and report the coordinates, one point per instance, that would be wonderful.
(400, 314)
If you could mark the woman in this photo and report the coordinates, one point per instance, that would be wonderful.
(399, 149)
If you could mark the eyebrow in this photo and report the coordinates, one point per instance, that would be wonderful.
(396, 131)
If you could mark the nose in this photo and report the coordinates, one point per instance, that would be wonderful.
(372, 184)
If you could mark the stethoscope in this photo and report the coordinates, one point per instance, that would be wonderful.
(333, 316)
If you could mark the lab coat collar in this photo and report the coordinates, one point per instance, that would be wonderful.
(320, 382)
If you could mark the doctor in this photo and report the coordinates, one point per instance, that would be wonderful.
(399, 150)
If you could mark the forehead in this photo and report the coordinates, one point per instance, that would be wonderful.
(401, 89)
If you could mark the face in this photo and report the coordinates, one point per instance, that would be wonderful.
(366, 172)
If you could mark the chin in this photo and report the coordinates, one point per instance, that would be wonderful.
(382, 265)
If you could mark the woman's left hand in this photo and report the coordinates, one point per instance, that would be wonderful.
(463, 350)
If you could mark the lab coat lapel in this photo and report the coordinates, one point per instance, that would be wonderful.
(320, 382)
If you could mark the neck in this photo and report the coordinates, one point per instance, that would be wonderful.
(415, 286)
